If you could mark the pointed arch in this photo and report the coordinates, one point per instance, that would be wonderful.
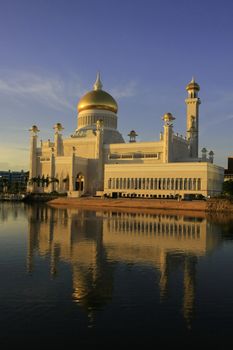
(80, 183)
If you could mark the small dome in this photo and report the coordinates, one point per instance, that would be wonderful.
(97, 99)
(168, 117)
(193, 85)
(34, 129)
(132, 132)
(58, 127)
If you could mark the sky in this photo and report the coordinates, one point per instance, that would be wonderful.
(147, 51)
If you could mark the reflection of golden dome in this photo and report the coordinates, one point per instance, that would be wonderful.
(193, 85)
(97, 99)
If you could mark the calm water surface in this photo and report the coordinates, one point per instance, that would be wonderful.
(114, 278)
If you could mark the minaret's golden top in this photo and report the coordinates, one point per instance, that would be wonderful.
(193, 85)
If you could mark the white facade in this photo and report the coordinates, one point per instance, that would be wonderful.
(96, 159)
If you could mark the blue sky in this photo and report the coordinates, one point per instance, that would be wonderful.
(146, 50)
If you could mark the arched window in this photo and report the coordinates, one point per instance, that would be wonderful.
(79, 183)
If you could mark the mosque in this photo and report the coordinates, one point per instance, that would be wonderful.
(95, 160)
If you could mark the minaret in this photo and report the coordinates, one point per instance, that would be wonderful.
(72, 179)
(33, 157)
(167, 137)
(52, 168)
(58, 139)
(192, 103)
(189, 288)
(99, 151)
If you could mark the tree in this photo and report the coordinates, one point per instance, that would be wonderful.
(53, 180)
(227, 188)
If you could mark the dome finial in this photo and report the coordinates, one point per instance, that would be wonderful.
(98, 85)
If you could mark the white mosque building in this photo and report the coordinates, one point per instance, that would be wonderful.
(95, 159)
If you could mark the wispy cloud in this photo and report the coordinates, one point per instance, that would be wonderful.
(219, 120)
(218, 111)
(129, 90)
(51, 91)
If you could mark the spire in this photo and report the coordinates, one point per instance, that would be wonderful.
(98, 85)
(193, 85)
(34, 129)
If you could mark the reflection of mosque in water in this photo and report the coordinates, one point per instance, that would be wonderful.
(12, 210)
(93, 242)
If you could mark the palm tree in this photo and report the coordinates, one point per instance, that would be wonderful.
(47, 181)
(34, 180)
(52, 181)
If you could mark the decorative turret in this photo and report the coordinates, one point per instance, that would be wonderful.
(167, 136)
(193, 89)
(132, 136)
(34, 130)
(99, 153)
(211, 156)
(203, 154)
(58, 128)
(168, 118)
(58, 139)
(192, 103)
(33, 156)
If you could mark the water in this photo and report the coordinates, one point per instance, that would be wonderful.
(113, 278)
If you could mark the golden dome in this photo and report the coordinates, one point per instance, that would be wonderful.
(97, 99)
(193, 85)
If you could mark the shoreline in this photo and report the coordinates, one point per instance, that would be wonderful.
(129, 204)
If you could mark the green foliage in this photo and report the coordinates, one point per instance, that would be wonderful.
(227, 188)
(43, 181)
